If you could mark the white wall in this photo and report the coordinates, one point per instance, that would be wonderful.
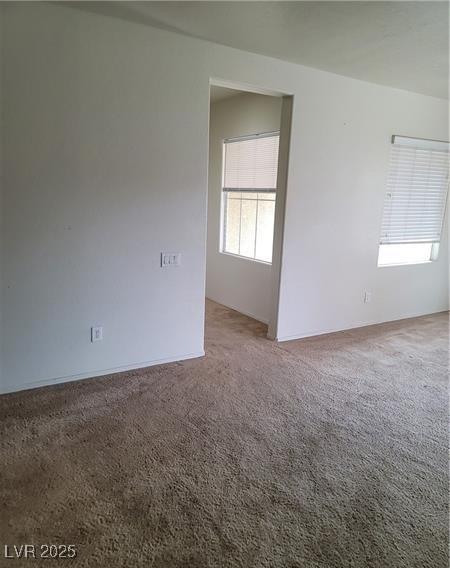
(105, 167)
(339, 161)
(241, 284)
(105, 132)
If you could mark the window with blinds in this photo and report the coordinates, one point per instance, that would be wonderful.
(415, 201)
(250, 167)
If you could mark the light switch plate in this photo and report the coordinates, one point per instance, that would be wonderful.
(169, 259)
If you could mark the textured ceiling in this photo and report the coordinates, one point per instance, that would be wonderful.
(401, 44)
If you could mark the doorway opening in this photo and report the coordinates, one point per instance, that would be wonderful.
(249, 134)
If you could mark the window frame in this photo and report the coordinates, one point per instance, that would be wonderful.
(223, 196)
(427, 144)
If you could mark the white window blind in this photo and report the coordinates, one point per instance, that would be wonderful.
(251, 164)
(416, 193)
(249, 192)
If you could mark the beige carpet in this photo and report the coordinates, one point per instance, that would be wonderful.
(327, 452)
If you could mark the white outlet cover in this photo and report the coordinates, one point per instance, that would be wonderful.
(96, 333)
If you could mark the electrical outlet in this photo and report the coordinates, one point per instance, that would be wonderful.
(367, 297)
(169, 259)
(96, 333)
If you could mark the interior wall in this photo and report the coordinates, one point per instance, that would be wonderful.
(105, 166)
(241, 284)
(340, 160)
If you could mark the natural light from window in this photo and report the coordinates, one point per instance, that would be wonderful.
(414, 253)
(415, 201)
(248, 196)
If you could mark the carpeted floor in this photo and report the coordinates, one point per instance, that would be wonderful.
(326, 452)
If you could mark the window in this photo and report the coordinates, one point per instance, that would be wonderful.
(415, 201)
(248, 195)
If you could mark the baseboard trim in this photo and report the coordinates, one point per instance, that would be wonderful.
(355, 326)
(99, 373)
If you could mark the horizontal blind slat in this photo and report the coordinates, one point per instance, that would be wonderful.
(251, 163)
(416, 195)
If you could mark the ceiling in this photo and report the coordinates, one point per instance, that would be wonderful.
(401, 44)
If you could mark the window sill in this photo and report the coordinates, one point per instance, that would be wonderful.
(405, 263)
(247, 258)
